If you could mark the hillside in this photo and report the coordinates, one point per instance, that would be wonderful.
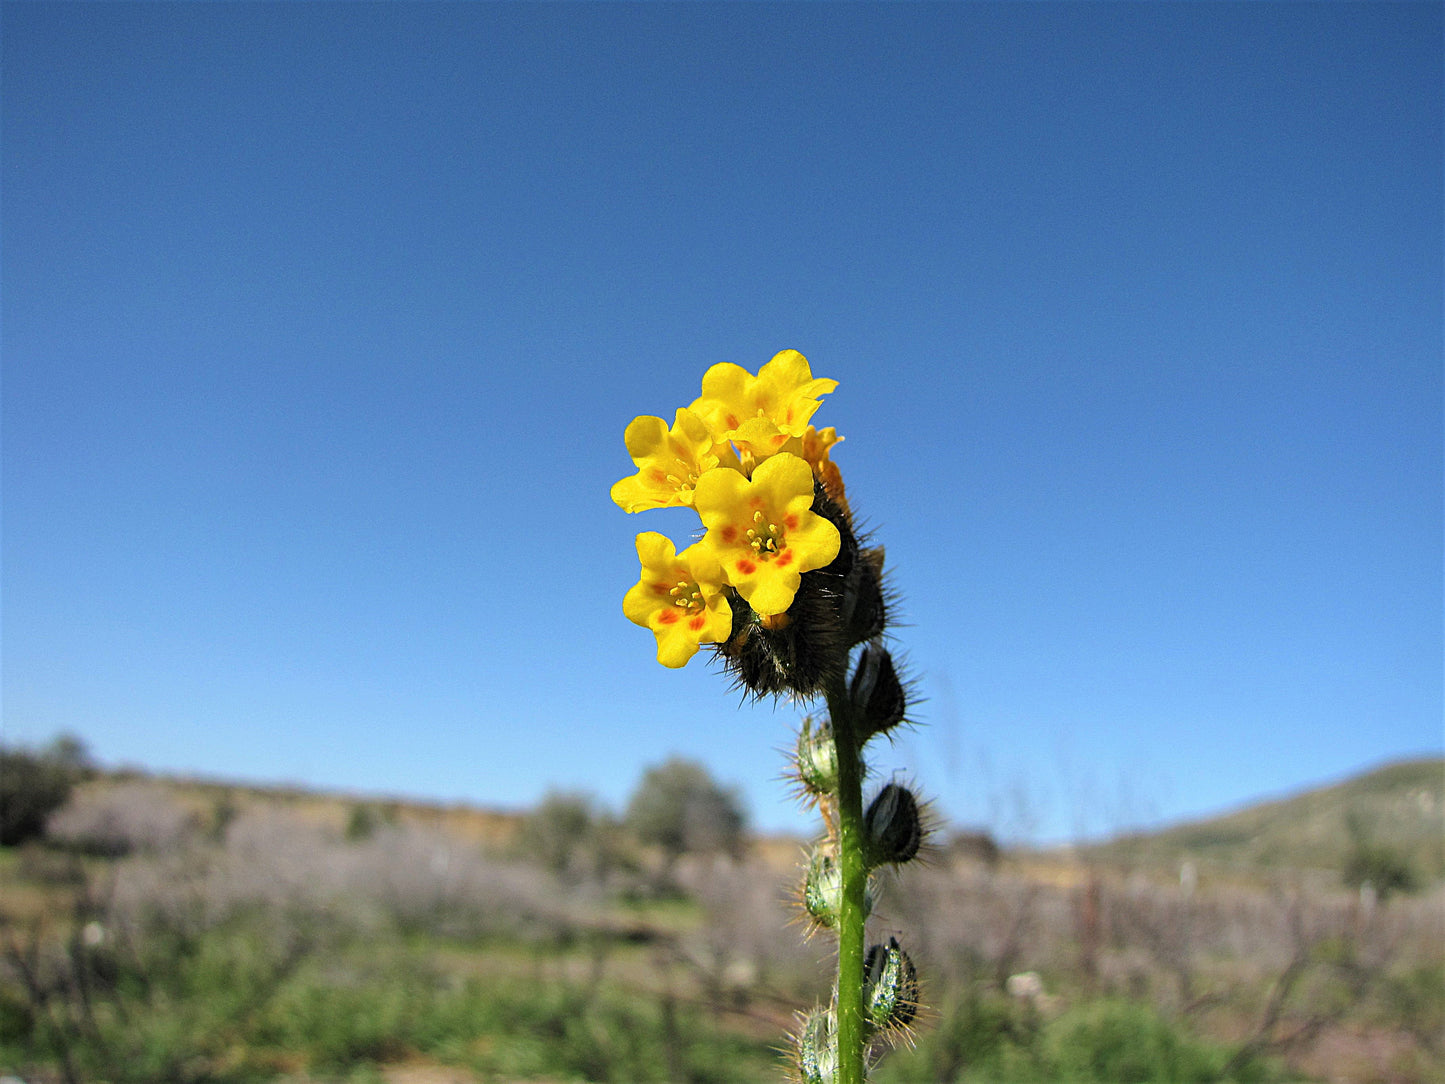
(1399, 806)
(212, 802)
(369, 937)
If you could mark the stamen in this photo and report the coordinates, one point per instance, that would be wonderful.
(686, 595)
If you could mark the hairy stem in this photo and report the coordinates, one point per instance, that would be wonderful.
(852, 1038)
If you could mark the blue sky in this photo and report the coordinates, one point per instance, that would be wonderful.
(322, 324)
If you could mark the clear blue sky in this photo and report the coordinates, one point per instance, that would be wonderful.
(322, 324)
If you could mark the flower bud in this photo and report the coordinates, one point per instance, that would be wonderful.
(863, 608)
(817, 1049)
(823, 890)
(890, 987)
(817, 758)
(893, 826)
(878, 698)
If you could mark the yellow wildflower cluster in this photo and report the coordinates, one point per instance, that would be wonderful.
(744, 455)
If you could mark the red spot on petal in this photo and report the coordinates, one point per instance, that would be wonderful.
(791, 523)
(667, 617)
(784, 559)
(697, 623)
(746, 567)
(657, 474)
(727, 532)
(732, 421)
(661, 588)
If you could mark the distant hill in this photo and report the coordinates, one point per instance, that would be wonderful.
(213, 800)
(1399, 806)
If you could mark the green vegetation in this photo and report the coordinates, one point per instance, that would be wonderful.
(679, 808)
(227, 934)
(237, 1004)
(34, 784)
(983, 1038)
(1400, 806)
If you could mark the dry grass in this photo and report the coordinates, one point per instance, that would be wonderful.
(1265, 964)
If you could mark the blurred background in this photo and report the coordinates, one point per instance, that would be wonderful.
(321, 720)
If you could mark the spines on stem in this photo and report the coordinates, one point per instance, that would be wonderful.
(798, 642)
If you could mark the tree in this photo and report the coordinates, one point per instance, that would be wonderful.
(35, 784)
(561, 832)
(677, 806)
(1380, 866)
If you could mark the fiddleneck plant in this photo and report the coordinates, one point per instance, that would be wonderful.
(793, 605)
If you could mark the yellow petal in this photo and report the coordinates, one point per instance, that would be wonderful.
(789, 372)
(658, 601)
(785, 392)
(763, 532)
(668, 461)
(759, 438)
(724, 400)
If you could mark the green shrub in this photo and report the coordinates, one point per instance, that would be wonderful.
(266, 994)
(362, 822)
(34, 785)
(559, 830)
(1125, 1043)
(1415, 998)
(678, 807)
(1381, 867)
(1369, 862)
(987, 1039)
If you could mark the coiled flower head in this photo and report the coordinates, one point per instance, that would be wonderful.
(777, 540)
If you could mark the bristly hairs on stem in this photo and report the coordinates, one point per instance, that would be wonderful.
(795, 600)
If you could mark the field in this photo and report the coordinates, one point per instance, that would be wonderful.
(167, 930)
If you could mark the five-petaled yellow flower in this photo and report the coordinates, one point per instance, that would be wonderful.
(762, 530)
(680, 597)
(785, 392)
(669, 461)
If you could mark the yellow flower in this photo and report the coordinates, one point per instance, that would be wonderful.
(816, 446)
(763, 530)
(785, 392)
(758, 438)
(679, 597)
(669, 461)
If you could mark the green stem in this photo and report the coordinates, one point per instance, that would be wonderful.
(852, 1037)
